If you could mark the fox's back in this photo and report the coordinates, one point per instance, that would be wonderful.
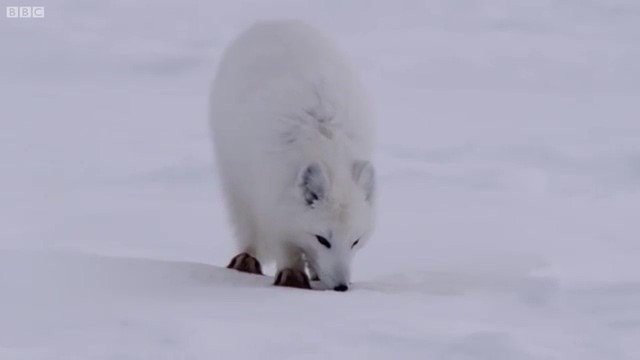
(284, 95)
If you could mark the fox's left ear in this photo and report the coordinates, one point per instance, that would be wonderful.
(364, 175)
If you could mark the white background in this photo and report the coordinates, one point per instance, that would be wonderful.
(509, 163)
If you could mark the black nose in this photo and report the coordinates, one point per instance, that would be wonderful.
(341, 287)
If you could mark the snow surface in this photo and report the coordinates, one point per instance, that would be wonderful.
(509, 162)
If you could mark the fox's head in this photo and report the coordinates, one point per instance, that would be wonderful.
(334, 219)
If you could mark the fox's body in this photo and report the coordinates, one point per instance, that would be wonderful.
(293, 138)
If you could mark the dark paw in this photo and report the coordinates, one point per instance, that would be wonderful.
(292, 278)
(245, 263)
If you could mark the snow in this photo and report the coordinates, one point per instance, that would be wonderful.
(509, 167)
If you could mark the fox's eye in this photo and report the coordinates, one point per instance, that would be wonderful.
(323, 241)
(355, 243)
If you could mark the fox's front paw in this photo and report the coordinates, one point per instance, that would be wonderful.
(292, 278)
(245, 263)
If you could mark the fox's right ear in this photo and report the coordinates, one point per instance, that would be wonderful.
(313, 183)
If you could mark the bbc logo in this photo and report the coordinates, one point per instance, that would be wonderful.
(25, 11)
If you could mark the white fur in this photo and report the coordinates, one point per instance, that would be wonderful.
(283, 99)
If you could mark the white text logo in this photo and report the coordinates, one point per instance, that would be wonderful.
(25, 11)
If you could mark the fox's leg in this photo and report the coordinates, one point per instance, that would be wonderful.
(246, 263)
(245, 233)
(291, 269)
(312, 274)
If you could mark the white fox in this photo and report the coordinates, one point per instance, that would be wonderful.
(293, 137)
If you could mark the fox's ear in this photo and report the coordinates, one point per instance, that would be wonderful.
(364, 175)
(313, 184)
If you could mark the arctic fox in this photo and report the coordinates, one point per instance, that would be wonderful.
(293, 136)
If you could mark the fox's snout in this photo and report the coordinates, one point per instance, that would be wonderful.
(341, 287)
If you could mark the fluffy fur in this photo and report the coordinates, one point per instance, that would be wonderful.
(293, 139)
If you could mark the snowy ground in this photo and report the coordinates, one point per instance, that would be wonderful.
(509, 155)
